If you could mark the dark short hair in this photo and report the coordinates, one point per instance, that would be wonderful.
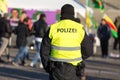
(24, 12)
(15, 10)
(103, 19)
(42, 16)
(26, 20)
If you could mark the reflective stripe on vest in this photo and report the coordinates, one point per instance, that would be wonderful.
(65, 48)
(65, 60)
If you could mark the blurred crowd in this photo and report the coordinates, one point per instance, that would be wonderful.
(19, 28)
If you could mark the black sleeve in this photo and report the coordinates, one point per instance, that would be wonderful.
(99, 33)
(119, 32)
(86, 47)
(33, 29)
(8, 27)
(34, 26)
(27, 31)
(45, 27)
(45, 51)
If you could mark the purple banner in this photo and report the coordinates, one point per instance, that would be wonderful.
(51, 15)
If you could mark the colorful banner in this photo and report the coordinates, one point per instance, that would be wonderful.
(112, 26)
(52, 16)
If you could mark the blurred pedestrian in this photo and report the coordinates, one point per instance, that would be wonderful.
(23, 16)
(104, 36)
(116, 40)
(22, 34)
(14, 21)
(119, 38)
(63, 45)
(83, 76)
(39, 29)
(5, 33)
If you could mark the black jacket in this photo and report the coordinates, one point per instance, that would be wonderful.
(86, 47)
(5, 29)
(119, 33)
(22, 33)
(39, 28)
(104, 32)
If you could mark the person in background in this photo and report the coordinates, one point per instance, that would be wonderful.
(22, 34)
(119, 37)
(14, 21)
(29, 23)
(63, 45)
(32, 43)
(39, 28)
(22, 17)
(5, 34)
(104, 36)
(116, 40)
(83, 76)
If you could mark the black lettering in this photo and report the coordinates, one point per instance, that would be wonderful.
(64, 30)
(58, 30)
(70, 30)
(61, 30)
(75, 31)
(67, 30)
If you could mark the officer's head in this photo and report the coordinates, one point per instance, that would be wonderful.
(67, 12)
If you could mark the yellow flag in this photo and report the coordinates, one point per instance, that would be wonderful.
(3, 6)
(88, 20)
(113, 28)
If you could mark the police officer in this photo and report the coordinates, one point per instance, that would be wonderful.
(62, 46)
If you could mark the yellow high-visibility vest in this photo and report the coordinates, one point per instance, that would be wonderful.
(66, 38)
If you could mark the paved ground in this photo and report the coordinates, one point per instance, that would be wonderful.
(97, 69)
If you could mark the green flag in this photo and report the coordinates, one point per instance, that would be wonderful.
(114, 33)
(99, 4)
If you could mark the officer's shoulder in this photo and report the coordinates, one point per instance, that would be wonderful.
(54, 24)
(78, 24)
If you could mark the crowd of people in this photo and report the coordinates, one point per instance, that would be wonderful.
(21, 28)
